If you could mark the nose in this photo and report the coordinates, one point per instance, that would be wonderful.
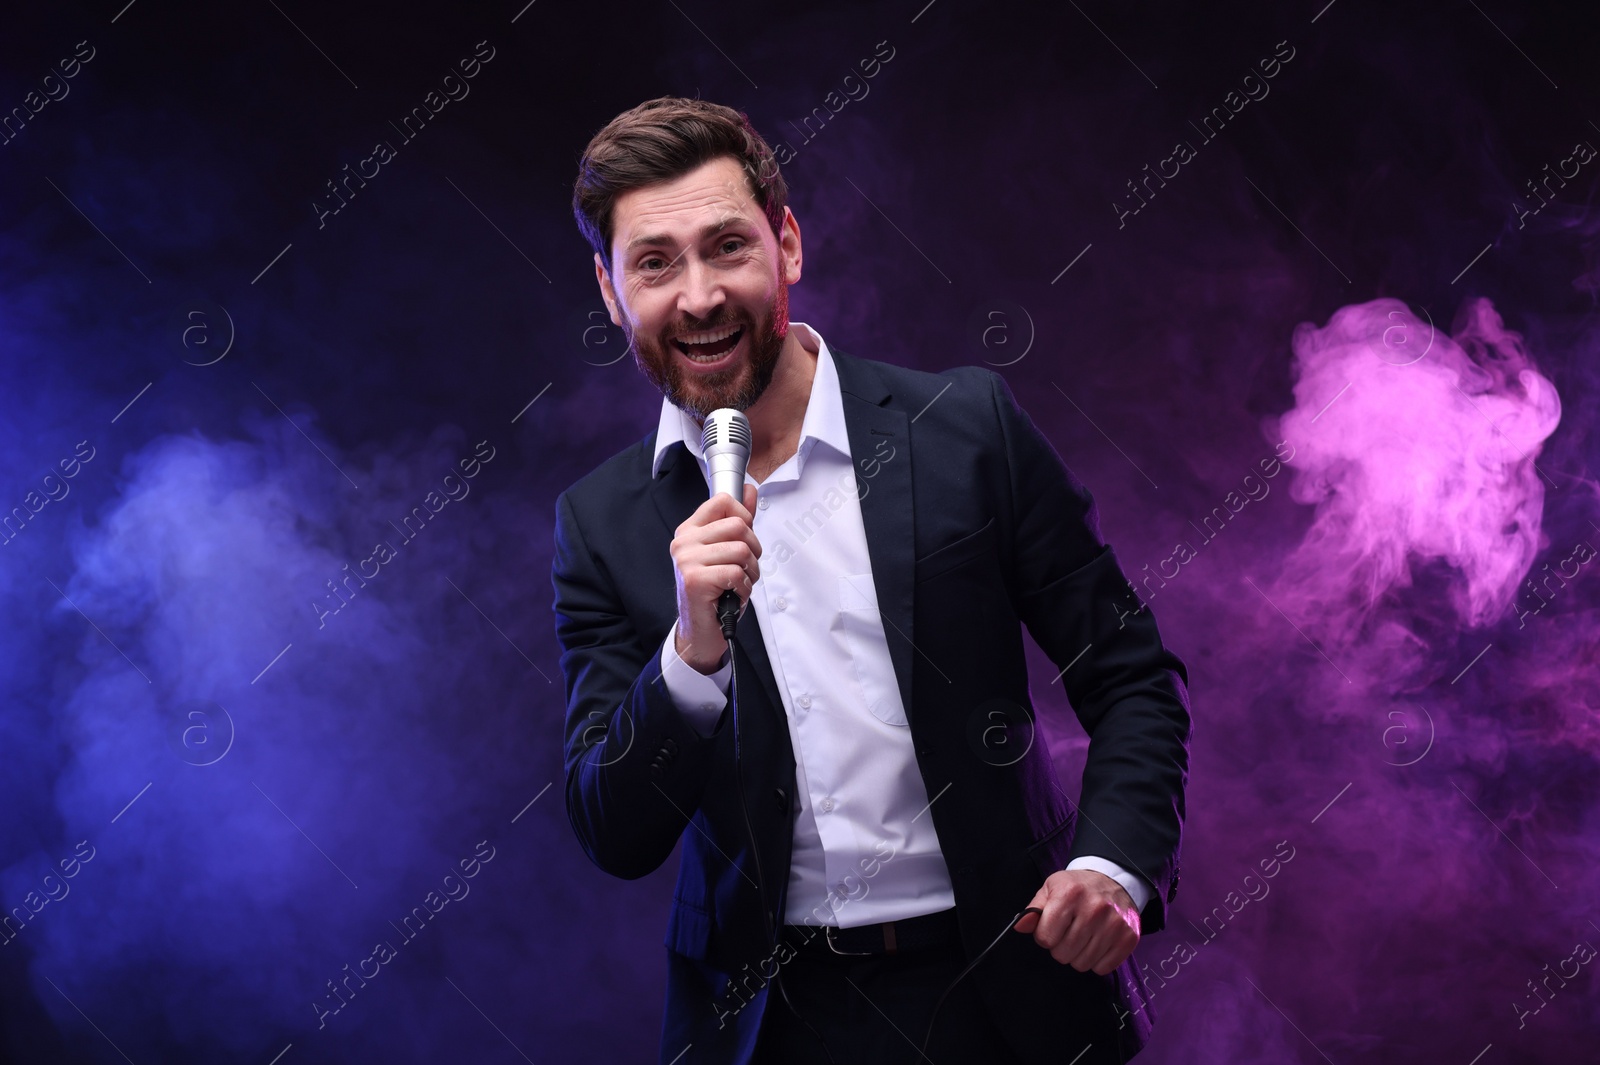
(702, 290)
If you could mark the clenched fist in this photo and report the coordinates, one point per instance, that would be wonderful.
(1089, 921)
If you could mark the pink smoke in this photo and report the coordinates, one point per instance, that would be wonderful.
(1414, 447)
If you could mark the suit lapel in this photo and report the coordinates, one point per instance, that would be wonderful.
(880, 446)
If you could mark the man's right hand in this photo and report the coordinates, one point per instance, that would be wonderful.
(713, 551)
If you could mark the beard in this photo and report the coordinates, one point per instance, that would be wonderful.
(739, 385)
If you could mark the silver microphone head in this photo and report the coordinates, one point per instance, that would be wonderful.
(726, 443)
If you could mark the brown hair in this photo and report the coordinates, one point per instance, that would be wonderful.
(662, 139)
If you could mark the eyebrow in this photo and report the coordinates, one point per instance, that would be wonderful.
(711, 230)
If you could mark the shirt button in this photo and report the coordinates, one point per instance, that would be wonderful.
(762, 503)
(805, 702)
(781, 603)
(827, 806)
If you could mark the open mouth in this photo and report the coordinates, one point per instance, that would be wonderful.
(713, 346)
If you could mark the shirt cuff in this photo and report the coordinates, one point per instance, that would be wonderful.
(700, 697)
(1135, 886)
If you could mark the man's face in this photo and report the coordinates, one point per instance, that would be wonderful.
(699, 285)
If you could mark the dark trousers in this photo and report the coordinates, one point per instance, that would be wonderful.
(876, 1009)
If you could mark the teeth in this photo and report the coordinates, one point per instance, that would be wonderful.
(708, 337)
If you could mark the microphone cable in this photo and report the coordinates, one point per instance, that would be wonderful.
(970, 966)
(728, 614)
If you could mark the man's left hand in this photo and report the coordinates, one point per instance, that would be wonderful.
(1089, 921)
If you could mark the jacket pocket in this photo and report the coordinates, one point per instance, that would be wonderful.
(688, 929)
(973, 545)
(1050, 852)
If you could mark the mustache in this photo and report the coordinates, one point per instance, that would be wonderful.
(679, 328)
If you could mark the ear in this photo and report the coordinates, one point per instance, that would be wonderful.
(789, 247)
(607, 291)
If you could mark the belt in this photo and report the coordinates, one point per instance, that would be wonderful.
(929, 930)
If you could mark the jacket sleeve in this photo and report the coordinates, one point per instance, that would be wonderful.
(1128, 691)
(635, 765)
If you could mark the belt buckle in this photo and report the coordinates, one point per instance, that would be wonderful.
(828, 935)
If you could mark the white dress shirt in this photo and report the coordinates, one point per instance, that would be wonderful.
(865, 849)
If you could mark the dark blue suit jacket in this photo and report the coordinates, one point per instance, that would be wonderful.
(975, 527)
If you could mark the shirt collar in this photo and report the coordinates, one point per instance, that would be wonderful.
(823, 422)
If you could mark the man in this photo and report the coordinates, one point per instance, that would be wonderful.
(863, 807)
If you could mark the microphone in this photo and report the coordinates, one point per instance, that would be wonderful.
(725, 440)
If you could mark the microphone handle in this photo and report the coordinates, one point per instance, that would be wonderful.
(728, 612)
(727, 477)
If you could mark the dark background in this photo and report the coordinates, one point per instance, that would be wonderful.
(162, 614)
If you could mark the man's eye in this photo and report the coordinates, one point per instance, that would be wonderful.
(645, 265)
(735, 243)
